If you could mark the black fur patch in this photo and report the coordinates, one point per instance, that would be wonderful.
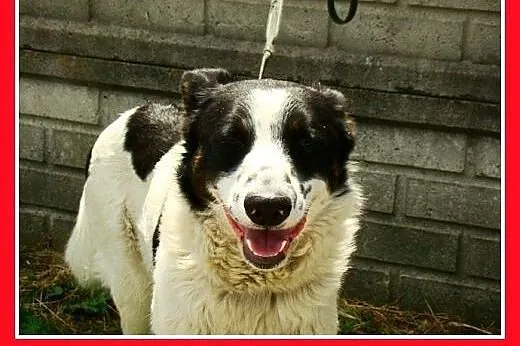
(316, 137)
(218, 133)
(151, 131)
(197, 82)
(155, 239)
(217, 140)
(87, 164)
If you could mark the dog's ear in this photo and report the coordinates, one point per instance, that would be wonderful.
(195, 85)
(343, 107)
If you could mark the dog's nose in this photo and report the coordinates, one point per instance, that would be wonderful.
(267, 211)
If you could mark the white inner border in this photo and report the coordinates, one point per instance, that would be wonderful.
(283, 337)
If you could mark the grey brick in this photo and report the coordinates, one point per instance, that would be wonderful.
(411, 147)
(425, 110)
(32, 142)
(487, 157)
(101, 71)
(52, 190)
(472, 205)
(32, 228)
(113, 103)
(366, 283)
(404, 75)
(58, 100)
(379, 191)
(71, 148)
(483, 5)
(374, 33)
(409, 246)
(483, 257)
(64, 9)
(60, 230)
(237, 19)
(480, 306)
(303, 24)
(179, 15)
(484, 42)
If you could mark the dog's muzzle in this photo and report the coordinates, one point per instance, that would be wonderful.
(266, 244)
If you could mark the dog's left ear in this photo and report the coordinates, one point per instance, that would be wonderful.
(195, 85)
(343, 107)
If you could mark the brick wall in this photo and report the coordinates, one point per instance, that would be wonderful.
(424, 76)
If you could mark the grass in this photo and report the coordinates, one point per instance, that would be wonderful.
(51, 303)
(363, 318)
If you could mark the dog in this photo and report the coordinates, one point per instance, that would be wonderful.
(233, 213)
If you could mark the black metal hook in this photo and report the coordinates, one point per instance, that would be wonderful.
(331, 4)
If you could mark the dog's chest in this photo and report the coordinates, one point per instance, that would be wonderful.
(261, 314)
(192, 298)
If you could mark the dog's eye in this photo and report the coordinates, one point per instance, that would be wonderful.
(308, 145)
(231, 145)
(318, 151)
(224, 154)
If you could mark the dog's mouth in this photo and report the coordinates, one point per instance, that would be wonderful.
(265, 248)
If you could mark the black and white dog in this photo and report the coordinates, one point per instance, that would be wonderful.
(234, 215)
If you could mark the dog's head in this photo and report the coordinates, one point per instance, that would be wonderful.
(269, 153)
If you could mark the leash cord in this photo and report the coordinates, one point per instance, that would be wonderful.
(271, 31)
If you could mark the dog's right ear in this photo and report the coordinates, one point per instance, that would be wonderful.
(196, 84)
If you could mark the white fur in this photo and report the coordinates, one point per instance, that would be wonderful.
(201, 283)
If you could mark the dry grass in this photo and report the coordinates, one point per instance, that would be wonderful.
(362, 318)
(51, 303)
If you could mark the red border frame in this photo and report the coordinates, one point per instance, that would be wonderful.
(7, 174)
(7, 123)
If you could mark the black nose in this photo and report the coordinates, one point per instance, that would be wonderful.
(267, 211)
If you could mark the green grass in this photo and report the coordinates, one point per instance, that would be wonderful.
(32, 323)
(96, 303)
(52, 303)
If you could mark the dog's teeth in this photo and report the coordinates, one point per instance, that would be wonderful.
(250, 246)
(282, 245)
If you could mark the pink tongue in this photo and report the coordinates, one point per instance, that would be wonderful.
(264, 243)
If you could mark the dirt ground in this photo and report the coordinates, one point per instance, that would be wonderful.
(52, 303)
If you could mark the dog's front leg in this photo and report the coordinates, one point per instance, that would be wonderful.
(132, 297)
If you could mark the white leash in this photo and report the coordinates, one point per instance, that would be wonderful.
(271, 31)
